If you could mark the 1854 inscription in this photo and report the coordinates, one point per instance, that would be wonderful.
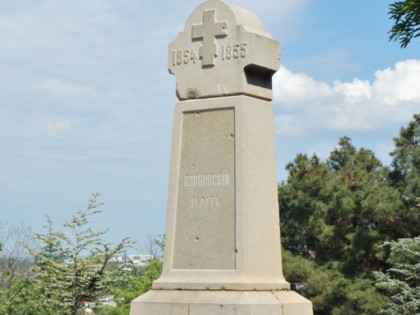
(207, 33)
(226, 53)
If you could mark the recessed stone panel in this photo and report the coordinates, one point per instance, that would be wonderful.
(205, 214)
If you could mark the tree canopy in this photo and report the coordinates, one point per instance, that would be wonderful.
(402, 281)
(72, 266)
(405, 175)
(339, 210)
(337, 214)
(406, 17)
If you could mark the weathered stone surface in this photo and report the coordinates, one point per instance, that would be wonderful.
(223, 253)
(223, 50)
(231, 141)
(221, 303)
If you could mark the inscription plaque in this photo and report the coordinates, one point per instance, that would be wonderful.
(205, 219)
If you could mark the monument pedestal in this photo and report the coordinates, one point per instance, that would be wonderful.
(178, 302)
(222, 250)
(222, 228)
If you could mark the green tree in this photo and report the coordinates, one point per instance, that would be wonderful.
(402, 281)
(138, 285)
(339, 210)
(64, 285)
(298, 199)
(14, 238)
(335, 215)
(405, 176)
(330, 291)
(406, 16)
(141, 279)
(15, 266)
(23, 298)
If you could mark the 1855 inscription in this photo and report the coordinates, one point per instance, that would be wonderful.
(207, 33)
(206, 196)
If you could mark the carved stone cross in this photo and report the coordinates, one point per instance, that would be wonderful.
(208, 31)
(222, 253)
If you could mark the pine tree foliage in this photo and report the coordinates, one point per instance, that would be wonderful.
(405, 175)
(402, 281)
(406, 16)
(329, 290)
(339, 210)
(335, 216)
(72, 265)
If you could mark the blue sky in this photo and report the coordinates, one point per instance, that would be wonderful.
(86, 100)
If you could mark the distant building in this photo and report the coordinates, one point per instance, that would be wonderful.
(117, 259)
(139, 259)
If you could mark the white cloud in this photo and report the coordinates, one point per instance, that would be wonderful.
(394, 86)
(358, 105)
(287, 125)
(34, 126)
(353, 92)
(297, 88)
(64, 89)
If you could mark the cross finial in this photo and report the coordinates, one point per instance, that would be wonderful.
(207, 32)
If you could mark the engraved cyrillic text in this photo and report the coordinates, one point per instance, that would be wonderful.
(202, 202)
(207, 180)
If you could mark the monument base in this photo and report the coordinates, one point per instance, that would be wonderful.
(179, 302)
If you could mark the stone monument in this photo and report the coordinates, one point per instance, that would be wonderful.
(223, 253)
